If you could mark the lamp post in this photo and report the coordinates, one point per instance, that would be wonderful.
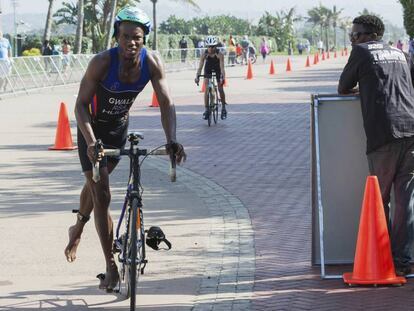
(14, 3)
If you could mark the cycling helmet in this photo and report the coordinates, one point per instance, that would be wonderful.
(211, 41)
(135, 15)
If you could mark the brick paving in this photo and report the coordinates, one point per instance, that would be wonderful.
(261, 154)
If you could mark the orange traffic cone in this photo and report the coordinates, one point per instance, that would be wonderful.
(63, 140)
(307, 62)
(315, 58)
(288, 65)
(272, 68)
(327, 55)
(346, 51)
(323, 55)
(335, 54)
(342, 52)
(373, 262)
(154, 102)
(249, 71)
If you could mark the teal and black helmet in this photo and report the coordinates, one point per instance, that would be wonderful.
(135, 15)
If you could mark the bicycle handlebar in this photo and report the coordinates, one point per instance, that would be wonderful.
(143, 152)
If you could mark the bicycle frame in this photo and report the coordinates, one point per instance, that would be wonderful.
(131, 244)
(212, 105)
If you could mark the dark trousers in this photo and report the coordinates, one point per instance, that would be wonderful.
(393, 164)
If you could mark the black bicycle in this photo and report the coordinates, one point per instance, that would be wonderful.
(130, 245)
(213, 99)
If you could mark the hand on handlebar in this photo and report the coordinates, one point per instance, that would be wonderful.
(178, 150)
(95, 151)
(197, 80)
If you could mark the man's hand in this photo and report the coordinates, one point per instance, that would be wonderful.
(197, 80)
(95, 151)
(178, 150)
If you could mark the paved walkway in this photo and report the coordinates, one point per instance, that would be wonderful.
(239, 215)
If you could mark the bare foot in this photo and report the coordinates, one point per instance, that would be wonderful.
(109, 280)
(74, 239)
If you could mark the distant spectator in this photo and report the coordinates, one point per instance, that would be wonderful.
(183, 45)
(320, 46)
(47, 51)
(411, 48)
(400, 45)
(300, 47)
(66, 48)
(5, 62)
(232, 51)
(264, 49)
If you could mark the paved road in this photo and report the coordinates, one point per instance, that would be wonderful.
(239, 215)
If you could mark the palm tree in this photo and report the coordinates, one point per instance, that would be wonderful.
(79, 28)
(335, 19)
(48, 27)
(154, 17)
(321, 16)
(344, 24)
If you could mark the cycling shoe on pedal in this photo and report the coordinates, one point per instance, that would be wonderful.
(223, 113)
(205, 115)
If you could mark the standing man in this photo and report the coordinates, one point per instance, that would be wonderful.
(385, 81)
(5, 63)
(183, 46)
(109, 87)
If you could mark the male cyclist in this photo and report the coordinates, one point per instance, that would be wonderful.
(213, 60)
(109, 87)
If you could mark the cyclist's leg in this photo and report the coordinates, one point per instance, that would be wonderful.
(223, 101)
(205, 114)
(85, 208)
(101, 198)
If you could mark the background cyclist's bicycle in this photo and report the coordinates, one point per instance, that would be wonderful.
(213, 98)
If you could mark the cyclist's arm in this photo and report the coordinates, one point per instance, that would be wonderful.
(160, 85)
(221, 59)
(201, 64)
(96, 70)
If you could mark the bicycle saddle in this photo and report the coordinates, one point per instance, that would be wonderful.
(135, 136)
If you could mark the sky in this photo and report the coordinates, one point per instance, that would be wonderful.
(389, 9)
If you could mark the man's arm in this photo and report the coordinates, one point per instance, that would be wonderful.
(167, 108)
(349, 77)
(160, 85)
(96, 70)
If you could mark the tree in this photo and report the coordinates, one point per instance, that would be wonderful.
(323, 17)
(110, 23)
(49, 19)
(335, 20)
(345, 24)
(408, 8)
(79, 28)
(154, 18)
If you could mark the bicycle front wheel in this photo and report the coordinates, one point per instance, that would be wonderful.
(215, 109)
(135, 255)
(210, 106)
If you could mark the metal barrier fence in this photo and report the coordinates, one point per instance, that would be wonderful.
(22, 74)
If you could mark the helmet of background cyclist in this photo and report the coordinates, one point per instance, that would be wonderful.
(134, 15)
(211, 41)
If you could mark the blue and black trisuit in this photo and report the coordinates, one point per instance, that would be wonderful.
(110, 108)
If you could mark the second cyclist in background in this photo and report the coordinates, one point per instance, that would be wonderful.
(213, 60)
